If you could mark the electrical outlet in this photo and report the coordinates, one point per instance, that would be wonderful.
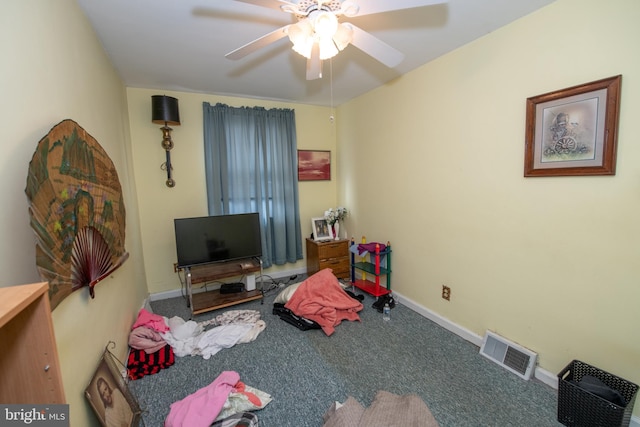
(446, 292)
(175, 267)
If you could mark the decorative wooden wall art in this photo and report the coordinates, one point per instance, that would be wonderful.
(76, 209)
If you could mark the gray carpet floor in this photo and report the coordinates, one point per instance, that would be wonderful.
(306, 371)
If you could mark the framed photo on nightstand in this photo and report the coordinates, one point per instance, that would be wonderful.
(321, 229)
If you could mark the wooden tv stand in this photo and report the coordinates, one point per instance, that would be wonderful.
(201, 302)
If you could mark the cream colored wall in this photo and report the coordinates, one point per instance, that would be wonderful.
(548, 262)
(159, 205)
(53, 69)
(436, 167)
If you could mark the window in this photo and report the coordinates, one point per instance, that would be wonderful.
(251, 166)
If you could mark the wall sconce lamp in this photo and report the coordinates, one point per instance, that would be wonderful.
(164, 111)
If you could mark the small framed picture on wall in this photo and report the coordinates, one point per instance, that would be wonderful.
(573, 131)
(314, 165)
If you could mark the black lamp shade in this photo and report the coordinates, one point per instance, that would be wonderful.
(164, 109)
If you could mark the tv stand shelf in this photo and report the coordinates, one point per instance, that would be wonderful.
(201, 302)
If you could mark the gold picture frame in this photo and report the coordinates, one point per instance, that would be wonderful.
(573, 131)
(109, 395)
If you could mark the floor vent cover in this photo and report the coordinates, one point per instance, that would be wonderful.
(511, 356)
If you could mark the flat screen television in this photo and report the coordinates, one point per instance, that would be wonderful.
(217, 238)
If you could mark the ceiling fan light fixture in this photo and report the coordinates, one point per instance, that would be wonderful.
(343, 36)
(349, 8)
(322, 29)
(300, 31)
(301, 36)
(325, 24)
(319, 35)
(304, 48)
(327, 48)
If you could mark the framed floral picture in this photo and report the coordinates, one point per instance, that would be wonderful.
(573, 131)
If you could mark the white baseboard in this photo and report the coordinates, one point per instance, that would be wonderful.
(445, 323)
(165, 295)
(542, 375)
(146, 304)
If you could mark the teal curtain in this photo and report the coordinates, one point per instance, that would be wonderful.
(251, 166)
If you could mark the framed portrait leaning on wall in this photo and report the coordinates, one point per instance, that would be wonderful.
(109, 395)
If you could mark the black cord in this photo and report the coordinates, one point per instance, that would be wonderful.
(271, 282)
(274, 284)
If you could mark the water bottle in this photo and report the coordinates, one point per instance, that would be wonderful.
(386, 312)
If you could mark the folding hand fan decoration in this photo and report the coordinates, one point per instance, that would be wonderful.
(76, 209)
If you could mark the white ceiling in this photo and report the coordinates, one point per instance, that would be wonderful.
(181, 45)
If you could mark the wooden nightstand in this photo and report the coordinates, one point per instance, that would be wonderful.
(333, 254)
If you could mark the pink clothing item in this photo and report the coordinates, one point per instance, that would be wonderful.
(201, 408)
(143, 338)
(150, 320)
(321, 299)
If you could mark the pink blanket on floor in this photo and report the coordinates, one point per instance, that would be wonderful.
(321, 298)
(200, 409)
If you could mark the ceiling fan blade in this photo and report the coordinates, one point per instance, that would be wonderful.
(314, 63)
(280, 5)
(258, 43)
(375, 47)
(369, 7)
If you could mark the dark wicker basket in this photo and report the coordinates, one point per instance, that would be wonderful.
(578, 407)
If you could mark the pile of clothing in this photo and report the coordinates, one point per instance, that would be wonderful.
(227, 401)
(188, 338)
(149, 352)
(155, 340)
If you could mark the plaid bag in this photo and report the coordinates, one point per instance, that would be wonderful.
(139, 363)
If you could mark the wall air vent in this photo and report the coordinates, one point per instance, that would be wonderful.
(509, 355)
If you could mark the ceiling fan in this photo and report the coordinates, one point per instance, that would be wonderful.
(318, 34)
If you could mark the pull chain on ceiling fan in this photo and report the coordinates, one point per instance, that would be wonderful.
(318, 35)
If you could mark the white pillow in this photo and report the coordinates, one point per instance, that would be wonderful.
(285, 295)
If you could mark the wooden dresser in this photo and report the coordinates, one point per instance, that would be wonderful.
(333, 254)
